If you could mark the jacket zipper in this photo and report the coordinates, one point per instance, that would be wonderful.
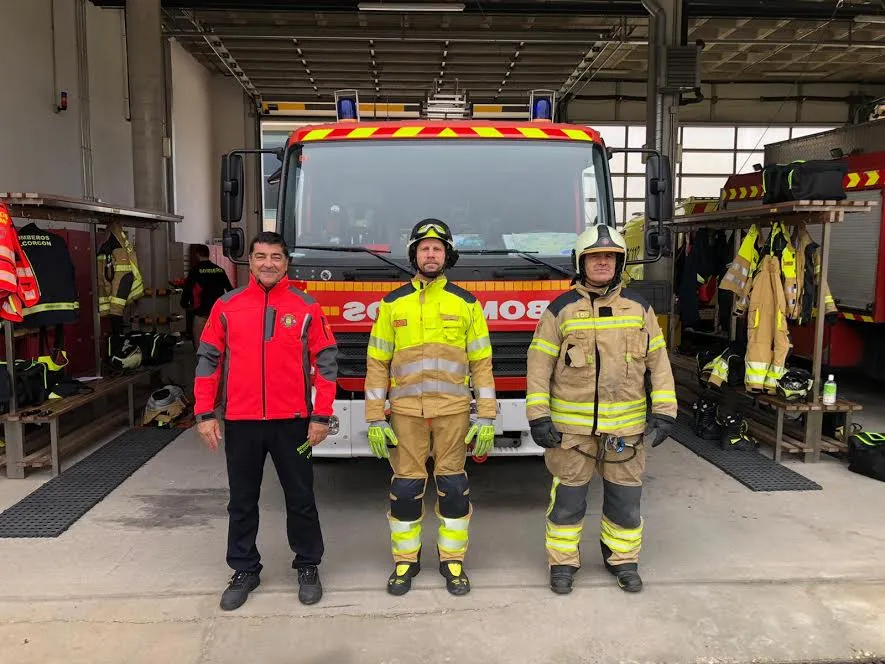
(598, 361)
(263, 369)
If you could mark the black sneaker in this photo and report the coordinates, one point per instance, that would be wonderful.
(457, 582)
(629, 581)
(561, 578)
(734, 434)
(238, 589)
(400, 582)
(705, 424)
(310, 590)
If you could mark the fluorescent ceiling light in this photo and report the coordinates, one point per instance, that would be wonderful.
(411, 7)
(869, 18)
(788, 74)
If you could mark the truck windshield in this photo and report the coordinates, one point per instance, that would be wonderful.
(524, 195)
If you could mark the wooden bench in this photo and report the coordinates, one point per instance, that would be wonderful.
(813, 438)
(51, 411)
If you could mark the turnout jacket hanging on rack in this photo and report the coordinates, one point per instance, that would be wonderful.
(54, 270)
(808, 278)
(18, 287)
(119, 278)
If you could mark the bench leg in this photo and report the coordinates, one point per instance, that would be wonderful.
(779, 435)
(15, 449)
(131, 392)
(846, 432)
(814, 421)
(53, 444)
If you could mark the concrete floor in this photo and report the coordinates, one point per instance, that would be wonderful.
(731, 575)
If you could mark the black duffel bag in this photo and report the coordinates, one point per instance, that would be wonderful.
(820, 179)
(30, 385)
(866, 454)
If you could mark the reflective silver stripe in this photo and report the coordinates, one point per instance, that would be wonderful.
(485, 392)
(429, 364)
(380, 344)
(8, 254)
(397, 526)
(327, 363)
(376, 394)
(479, 344)
(429, 386)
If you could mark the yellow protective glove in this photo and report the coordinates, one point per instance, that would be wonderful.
(484, 431)
(379, 434)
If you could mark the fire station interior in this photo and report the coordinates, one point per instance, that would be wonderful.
(739, 150)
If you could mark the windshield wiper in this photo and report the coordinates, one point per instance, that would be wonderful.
(527, 255)
(357, 250)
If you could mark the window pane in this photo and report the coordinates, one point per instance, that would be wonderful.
(634, 207)
(700, 138)
(634, 163)
(618, 187)
(806, 131)
(636, 136)
(614, 136)
(699, 186)
(745, 161)
(636, 188)
(753, 138)
(704, 163)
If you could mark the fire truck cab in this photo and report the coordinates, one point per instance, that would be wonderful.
(515, 194)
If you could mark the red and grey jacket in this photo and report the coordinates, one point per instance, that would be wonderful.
(264, 343)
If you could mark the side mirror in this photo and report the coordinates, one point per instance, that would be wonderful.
(233, 242)
(232, 181)
(659, 189)
(657, 243)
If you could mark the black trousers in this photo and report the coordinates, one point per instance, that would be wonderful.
(246, 445)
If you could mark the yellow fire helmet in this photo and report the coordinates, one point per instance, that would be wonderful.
(599, 239)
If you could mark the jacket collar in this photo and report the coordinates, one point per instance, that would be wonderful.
(420, 284)
(593, 293)
(281, 285)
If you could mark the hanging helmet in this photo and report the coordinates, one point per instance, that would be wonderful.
(600, 239)
(435, 229)
(794, 384)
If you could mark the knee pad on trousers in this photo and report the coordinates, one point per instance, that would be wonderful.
(569, 504)
(620, 504)
(406, 498)
(454, 500)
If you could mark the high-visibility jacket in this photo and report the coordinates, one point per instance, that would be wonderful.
(18, 287)
(119, 278)
(429, 340)
(264, 343)
(768, 341)
(808, 277)
(780, 246)
(588, 359)
(739, 277)
(54, 271)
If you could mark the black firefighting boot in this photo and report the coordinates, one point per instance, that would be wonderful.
(400, 582)
(629, 580)
(734, 434)
(705, 424)
(561, 578)
(238, 589)
(457, 582)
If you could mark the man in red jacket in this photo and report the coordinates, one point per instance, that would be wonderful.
(264, 339)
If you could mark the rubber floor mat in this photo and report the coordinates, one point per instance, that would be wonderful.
(52, 508)
(755, 471)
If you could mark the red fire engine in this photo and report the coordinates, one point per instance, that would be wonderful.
(515, 194)
(857, 250)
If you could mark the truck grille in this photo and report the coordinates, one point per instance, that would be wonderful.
(509, 351)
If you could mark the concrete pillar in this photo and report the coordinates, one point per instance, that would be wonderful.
(662, 110)
(147, 101)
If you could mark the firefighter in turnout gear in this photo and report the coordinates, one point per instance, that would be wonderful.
(587, 403)
(429, 340)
